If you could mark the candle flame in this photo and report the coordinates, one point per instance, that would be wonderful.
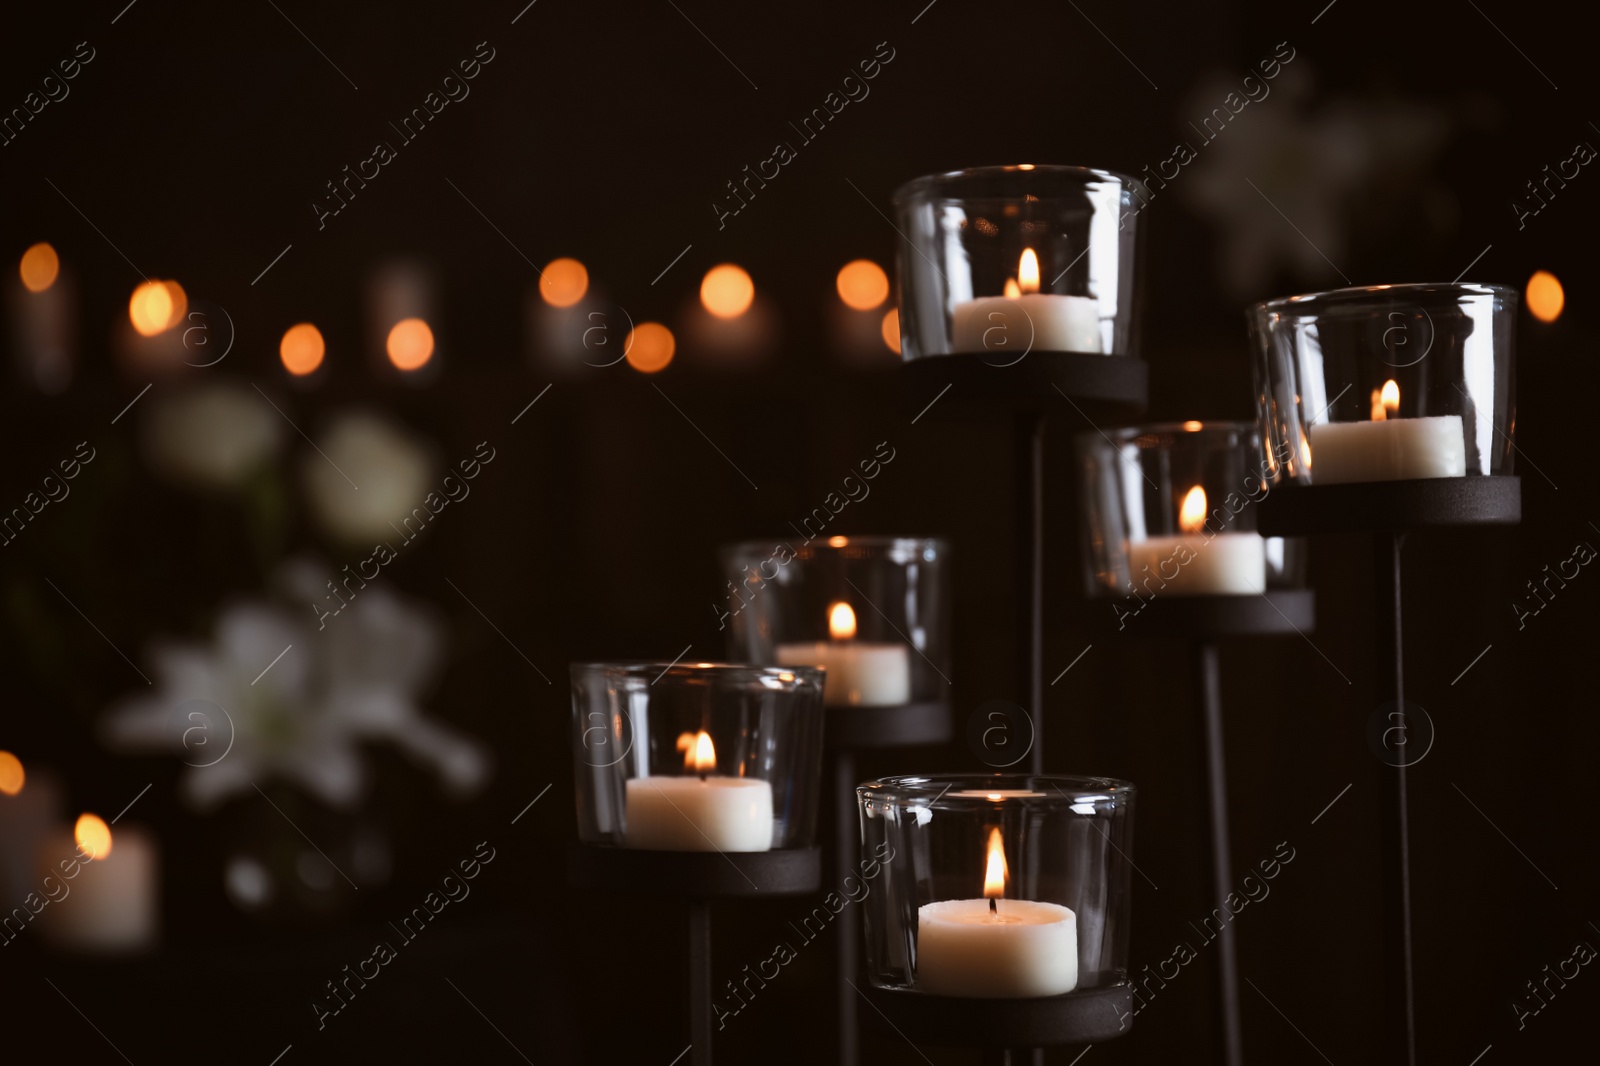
(1012, 292)
(1192, 515)
(1388, 404)
(12, 775)
(996, 875)
(93, 835)
(1028, 271)
(841, 621)
(699, 754)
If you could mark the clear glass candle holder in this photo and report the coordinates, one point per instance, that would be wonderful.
(997, 886)
(697, 756)
(1387, 383)
(1001, 261)
(1168, 509)
(874, 611)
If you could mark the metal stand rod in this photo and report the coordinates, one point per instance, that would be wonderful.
(700, 981)
(1210, 679)
(847, 851)
(1029, 447)
(1401, 1009)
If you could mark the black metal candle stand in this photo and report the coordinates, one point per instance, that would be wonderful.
(1204, 621)
(1005, 1027)
(698, 877)
(1387, 511)
(848, 731)
(1024, 389)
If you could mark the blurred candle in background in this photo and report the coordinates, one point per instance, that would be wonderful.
(732, 326)
(41, 304)
(30, 804)
(402, 322)
(857, 321)
(111, 904)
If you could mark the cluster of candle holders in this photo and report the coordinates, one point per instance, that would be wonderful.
(1000, 919)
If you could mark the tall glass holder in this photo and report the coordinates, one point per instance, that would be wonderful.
(1389, 409)
(999, 920)
(1172, 551)
(697, 781)
(1018, 293)
(875, 612)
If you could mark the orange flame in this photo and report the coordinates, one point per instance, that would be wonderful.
(1192, 515)
(93, 835)
(841, 621)
(997, 874)
(1028, 271)
(699, 754)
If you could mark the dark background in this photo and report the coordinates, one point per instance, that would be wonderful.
(198, 138)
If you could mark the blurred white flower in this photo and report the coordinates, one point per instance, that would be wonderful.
(367, 477)
(272, 697)
(210, 436)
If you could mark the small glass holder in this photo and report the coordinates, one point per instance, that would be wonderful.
(997, 886)
(1387, 383)
(1169, 510)
(874, 611)
(1003, 261)
(696, 757)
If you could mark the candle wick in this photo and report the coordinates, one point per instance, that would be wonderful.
(993, 909)
(702, 775)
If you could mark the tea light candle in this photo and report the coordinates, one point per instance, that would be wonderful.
(1005, 324)
(111, 903)
(858, 674)
(996, 948)
(1387, 448)
(1225, 563)
(699, 811)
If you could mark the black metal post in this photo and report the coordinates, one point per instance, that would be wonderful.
(1209, 675)
(847, 851)
(1029, 447)
(1400, 1008)
(700, 981)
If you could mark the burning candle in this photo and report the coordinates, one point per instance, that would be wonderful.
(996, 948)
(111, 900)
(859, 674)
(1025, 319)
(1193, 564)
(1387, 448)
(698, 811)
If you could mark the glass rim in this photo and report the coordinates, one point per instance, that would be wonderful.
(938, 788)
(917, 186)
(661, 668)
(1356, 293)
(870, 540)
(1191, 427)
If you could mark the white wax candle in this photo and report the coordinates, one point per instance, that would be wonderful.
(859, 674)
(687, 814)
(1004, 325)
(1388, 450)
(1025, 949)
(1228, 563)
(112, 903)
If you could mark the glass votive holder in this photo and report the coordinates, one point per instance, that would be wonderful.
(1167, 509)
(1387, 383)
(874, 611)
(696, 756)
(1007, 260)
(997, 886)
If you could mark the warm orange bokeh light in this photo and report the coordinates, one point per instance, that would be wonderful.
(563, 282)
(1192, 426)
(1545, 296)
(93, 835)
(1028, 271)
(891, 330)
(841, 621)
(1192, 513)
(649, 346)
(410, 344)
(862, 285)
(157, 306)
(838, 542)
(727, 291)
(996, 873)
(11, 774)
(39, 268)
(301, 349)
